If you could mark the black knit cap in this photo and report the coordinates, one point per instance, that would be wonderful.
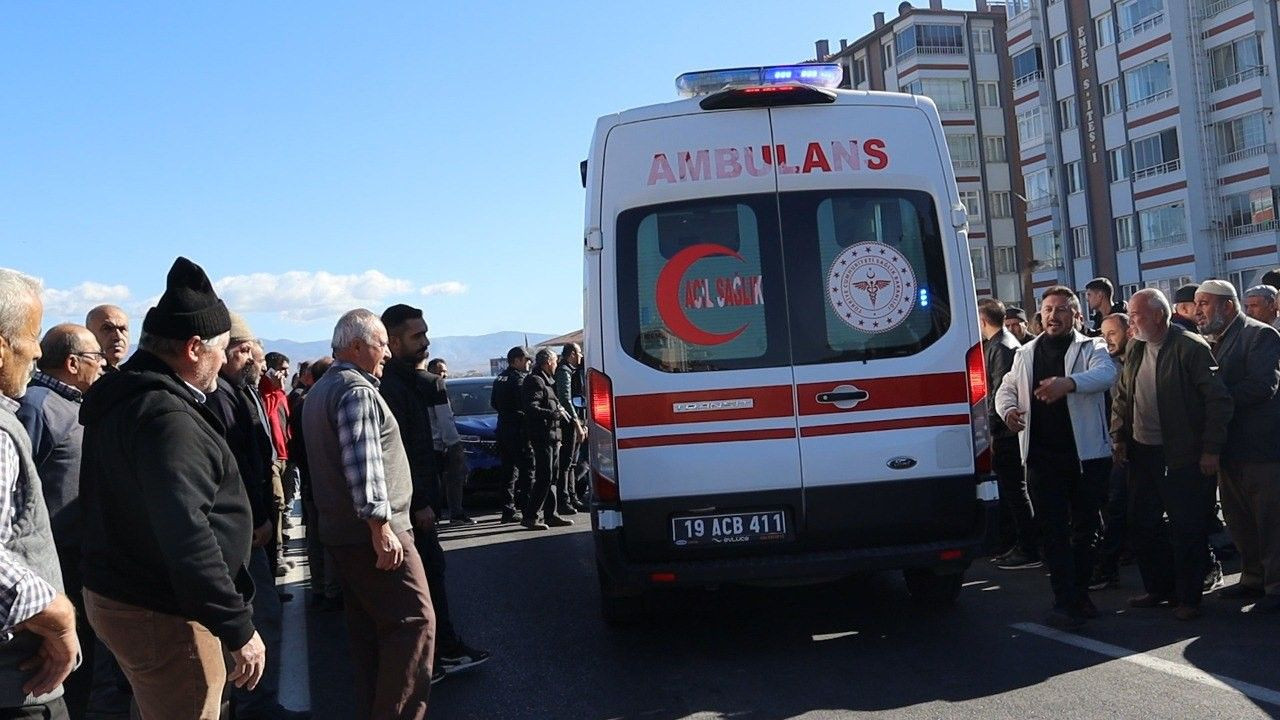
(1186, 293)
(189, 307)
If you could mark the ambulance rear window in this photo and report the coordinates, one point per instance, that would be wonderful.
(700, 286)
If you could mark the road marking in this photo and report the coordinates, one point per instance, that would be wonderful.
(1151, 662)
(295, 672)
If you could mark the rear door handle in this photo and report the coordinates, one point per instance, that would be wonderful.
(845, 396)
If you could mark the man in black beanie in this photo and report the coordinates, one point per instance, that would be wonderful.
(167, 520)
(1184, 308)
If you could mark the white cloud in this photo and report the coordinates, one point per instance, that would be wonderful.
(303, 296)
(77, 301)
(452, 287)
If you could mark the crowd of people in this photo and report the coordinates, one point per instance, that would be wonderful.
(144, 499)
(1135, 432)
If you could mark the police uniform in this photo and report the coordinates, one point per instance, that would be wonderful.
(513, 442)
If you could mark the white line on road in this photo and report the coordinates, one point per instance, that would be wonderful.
(1151, 662)
(295, 673)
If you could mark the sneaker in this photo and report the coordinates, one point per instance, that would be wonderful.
(566, 510)
(462, 520)
(1103, 578)
(1213, 579)
(1016, 559)
(460, 657)
(557, 521)
(533, 524)
(509, 517)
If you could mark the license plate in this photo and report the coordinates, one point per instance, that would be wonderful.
(741, 528)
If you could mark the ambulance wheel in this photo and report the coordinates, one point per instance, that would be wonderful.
(618, 607)
(932, 587)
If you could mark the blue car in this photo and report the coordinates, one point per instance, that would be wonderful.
(477, 426)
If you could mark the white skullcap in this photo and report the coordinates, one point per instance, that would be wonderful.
(1221, 288)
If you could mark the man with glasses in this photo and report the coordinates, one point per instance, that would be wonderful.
(110, 326)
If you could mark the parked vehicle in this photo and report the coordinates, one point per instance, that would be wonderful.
(477, 425)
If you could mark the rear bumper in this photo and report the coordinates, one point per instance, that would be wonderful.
(946, 555)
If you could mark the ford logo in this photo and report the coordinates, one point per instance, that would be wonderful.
(901, 463)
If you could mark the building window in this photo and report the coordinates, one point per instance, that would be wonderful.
(1169, 286)
(1061, 50)
(972, 200)
(1014, 8)
(1046, 250)
(1235, 62)
(859, 71)
(1139, 16)
(1241, 137)
(1075, 177)
(947, 94)
(1162, 226)
(1080, 241)
(1030, 127)
(996, 151)
(963, 149)
(1001, 206)
(1148, 83)
(1156, 154)
(1111, 98)
(1067, 113)
(989, 94)
(1250, 212)
(886, 54)
(1039, 186)
(1027, 66)
(1127, 291)
(1006, 260)
(930, 39)
(1118, 164)
(978, 257)
(1125, 239)
(982, 39)
(1104, 30)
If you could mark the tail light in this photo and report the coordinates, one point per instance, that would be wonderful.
(976, 370)
(601, 447)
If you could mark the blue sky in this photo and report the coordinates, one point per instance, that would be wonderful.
(378, 152)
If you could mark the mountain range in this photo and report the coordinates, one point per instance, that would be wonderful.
(465, 354)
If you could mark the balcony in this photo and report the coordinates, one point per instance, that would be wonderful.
(1149, 100)
(1143, 27)
(1253, 228)
(1161, 169)
(929, 50)
(1029, 78)
(1237, 78)
(1163, 242)
(1213, 8)
(1041, 202)
(1231, 157)
(957, 164)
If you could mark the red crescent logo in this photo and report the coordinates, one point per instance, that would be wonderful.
(668, 291)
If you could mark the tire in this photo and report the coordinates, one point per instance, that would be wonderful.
(618, 607)
(933, 588)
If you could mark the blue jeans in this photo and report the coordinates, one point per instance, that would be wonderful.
(268, 618)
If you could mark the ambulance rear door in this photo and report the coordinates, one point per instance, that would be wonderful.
(707, 456)
(879, 323)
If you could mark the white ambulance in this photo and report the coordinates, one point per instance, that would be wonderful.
(784, 373)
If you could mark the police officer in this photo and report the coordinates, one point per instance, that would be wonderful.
(513, 443)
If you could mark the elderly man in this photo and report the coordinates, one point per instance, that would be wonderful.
(1260, 304)
(110, 326)
(1184, 307)
(543, 418)
(1169, 420)
(363, 485)
(1248, 353)
(70, 362)
(1015, 321)
(167, 520)
(37, 619)
(1017, 522)
(1055, 398)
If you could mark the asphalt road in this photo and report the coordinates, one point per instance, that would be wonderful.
(853, 648)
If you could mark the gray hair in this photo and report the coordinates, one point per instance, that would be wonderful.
(1155, 299)
(18, 294)
(544, 355)
(171, 347)
(1266, 292)
(358, 324)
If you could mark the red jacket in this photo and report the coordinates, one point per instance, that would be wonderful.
(276, 403)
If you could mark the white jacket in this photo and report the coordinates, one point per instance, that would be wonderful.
(1089, 365)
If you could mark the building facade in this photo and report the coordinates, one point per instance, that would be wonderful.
(1140, 137)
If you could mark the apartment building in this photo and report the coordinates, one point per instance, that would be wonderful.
(961, 60)
(1146, 139)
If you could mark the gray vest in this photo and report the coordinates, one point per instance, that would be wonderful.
(339, 524)
(31, 543)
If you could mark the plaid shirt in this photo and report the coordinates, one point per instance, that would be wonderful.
(45, 380)
(360, 419)
(22, 593)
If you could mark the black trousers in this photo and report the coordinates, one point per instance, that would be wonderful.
(1115, 515)
(1017, 519)
(56, 710)
(542, 496)
(517, 469)
(1171, 553)
(566, 465)
(427, 543)
(1068, 498)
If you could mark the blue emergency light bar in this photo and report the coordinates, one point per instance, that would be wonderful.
(705, 82)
